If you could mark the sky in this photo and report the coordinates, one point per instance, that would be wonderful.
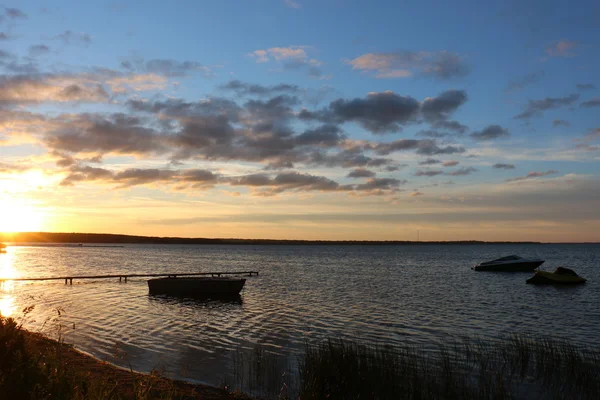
(302, 119)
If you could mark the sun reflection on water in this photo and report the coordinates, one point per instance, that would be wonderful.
(7, 270)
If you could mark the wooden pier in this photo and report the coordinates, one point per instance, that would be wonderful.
(69, 279)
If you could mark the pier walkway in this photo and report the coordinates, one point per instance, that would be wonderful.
(69, 279)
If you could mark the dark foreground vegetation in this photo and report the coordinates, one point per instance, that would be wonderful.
(48, 237)
(34, 367)
(518, 367)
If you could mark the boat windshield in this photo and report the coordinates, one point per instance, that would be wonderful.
(509, 258)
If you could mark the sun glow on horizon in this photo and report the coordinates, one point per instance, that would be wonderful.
(20, 216)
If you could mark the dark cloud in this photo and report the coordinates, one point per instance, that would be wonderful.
(14, 13)
(387, 112)
(38, 50)
(454, 126)
(196, 178)
(560, 122)
(526, 80)
(462, 171)
(324, 136)
(441, 107)
(537, 107)
(117, 133)
(450, 163)
(532, 175)
(5, 36)
(164, 67)
(441, 65)
(378, 112)
(361, 173)
(430, 161)
(70, 37)
(242, 88)
(429, 172)
(585, 86)
(503, 166)
(591, 103)
(376, 184)
(490, 132)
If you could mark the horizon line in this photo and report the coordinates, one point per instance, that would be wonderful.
(127, 238)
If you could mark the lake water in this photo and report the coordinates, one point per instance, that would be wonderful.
(385, 294)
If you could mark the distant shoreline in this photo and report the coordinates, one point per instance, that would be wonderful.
(105, 238)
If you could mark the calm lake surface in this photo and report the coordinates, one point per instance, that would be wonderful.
(385, 294)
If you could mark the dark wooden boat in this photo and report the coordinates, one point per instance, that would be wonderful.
(196, 286)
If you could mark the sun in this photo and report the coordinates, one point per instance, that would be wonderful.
(19, 216)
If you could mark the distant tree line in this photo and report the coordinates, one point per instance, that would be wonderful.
(48, 237)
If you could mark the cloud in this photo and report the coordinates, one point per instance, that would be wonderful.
(441, 107)
(165, 67)
(196, 178)
(70, 37)
(378, 112)
(415, 194)
(462, 171)
(454, 126)
(560, 122)
(585, 86)
(503, 166)
(323, 136)
(385, 112)
(136, 83)
(526, 80)
(537, 107)
(14, 13)
(561, 48)
(361, 173)
(441, 65)
(426, 147)
(532, 175)
(428, 172)
(430, 161)
(291, 58)
(293, 4)
(5, 36)
(31, 89)
(450, 163)
(38, 50)
(242, 88)
(117, 133)
(595, 102)
(490, 132)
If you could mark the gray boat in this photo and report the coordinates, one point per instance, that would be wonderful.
(196, 286)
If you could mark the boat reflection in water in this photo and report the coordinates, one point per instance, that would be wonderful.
(209, 301)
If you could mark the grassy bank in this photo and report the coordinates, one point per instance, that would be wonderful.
(35, 367)
(517, 367)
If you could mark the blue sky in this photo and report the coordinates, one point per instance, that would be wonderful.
(303, 119)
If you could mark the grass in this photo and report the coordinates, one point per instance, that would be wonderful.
(35, 367)
(518, 366)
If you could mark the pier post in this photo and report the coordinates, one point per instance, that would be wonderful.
(71, 281)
